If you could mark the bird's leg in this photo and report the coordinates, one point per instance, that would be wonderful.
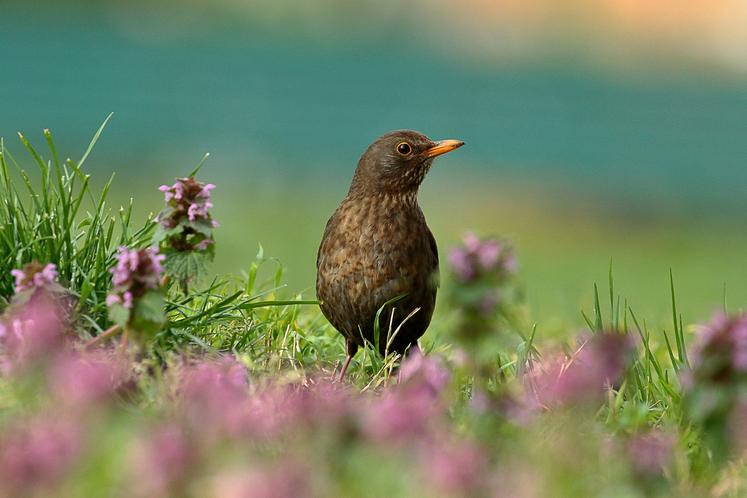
(351, 349)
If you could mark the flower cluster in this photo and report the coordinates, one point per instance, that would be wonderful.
(186, 223)
(716, 381)
(485, 294)
(719, 354)
(136, 301)
(137, 271)
(33, 276)
(30, 332)
(479, 258)
(598, 363)
(483, 273)
(650, 453)
(213, 428)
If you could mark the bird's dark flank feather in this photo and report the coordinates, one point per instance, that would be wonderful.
(377, 246)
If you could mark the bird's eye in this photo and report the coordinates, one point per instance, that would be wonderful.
(404, 148)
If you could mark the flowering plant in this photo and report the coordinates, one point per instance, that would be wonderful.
(483, 270)
(185, 230)
(34, 279)
(716, 384)
(483, 290)
(136, 301)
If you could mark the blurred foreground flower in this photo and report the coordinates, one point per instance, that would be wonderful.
(37, 454)
(214, 395)
(160, 462)
(485, 293)
(650, 453)
(412, 408)
(456, 469)
(30, 331)
(136, 301)
(286, 479)
(487, 258)
(716, 384)
(598, 362)
(85, 379)
(185, 230)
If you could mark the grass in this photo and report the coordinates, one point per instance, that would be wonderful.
(281, 339)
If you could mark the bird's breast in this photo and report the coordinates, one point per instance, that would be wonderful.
(378, 243)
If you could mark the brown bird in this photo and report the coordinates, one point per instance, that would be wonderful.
(377, 248)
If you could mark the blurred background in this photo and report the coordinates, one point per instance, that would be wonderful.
(595, 130)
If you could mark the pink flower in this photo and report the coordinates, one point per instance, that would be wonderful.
(477, 258)
(215, 394)
(113, 299)
(487, 254)
(33, 331)
(187, 196)
(187, 204)
(424, 372)
(167, 191)
(20, 277)
(38, 453)
(413, 407)
(650, 452)
(179, 190)
(204, 244)
(34, 276)
(461, 265)
(205, 192)
(399, 418)
(456, 469)
(599, 361)
(196, 211)
(161, 462)
(136, 272)
(720, 349)
(80, 380)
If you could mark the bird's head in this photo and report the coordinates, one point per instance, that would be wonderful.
(397, 162)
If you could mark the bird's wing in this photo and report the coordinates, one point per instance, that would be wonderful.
(434, 252)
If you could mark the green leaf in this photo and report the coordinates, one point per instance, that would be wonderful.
(148, 316)
(163, 233)
(186, 266)
(202, 227)
(119, 315)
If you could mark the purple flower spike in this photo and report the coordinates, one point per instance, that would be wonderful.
(136, 272)
(482, 258)
(188, 205)
(188, 197)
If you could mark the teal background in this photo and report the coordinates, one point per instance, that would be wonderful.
(576, 162)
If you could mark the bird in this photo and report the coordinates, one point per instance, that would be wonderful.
(378, 260)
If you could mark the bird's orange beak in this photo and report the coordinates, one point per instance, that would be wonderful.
(442, 147)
